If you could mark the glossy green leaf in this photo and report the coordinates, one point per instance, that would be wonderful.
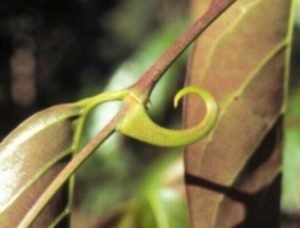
(233, 175)
(30, 157)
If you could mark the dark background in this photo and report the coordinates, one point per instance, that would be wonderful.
(59, 45)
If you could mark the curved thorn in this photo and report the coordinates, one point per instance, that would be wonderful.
(138, 125)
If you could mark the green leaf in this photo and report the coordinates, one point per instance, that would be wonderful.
(233, 175)
(30, 157)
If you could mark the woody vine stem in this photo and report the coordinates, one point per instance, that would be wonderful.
(133, 110)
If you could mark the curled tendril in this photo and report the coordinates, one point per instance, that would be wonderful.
(138, 125)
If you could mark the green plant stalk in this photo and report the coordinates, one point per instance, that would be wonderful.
(71, 182)
(141, 90)
(80, 157)
(158, 212)
(67, 171)
(88, 104)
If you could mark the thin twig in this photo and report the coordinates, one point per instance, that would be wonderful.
(150, 77)
(71, 167)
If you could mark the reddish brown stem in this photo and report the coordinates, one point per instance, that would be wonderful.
(73, 165)
(148, 80)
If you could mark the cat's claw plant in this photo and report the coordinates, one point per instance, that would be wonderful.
(42, 153)
(132, 120)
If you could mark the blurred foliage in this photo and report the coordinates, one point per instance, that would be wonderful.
(291, 161)
(291, 185)
(158, 200)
